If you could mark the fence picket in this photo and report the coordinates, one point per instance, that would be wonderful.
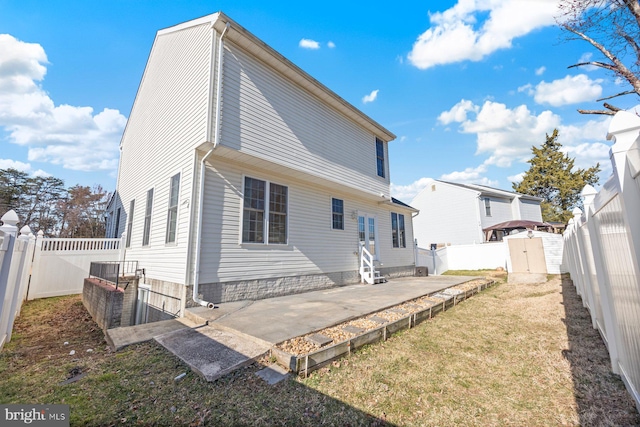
(602, 253)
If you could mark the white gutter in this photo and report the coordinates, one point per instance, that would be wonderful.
(216, 141)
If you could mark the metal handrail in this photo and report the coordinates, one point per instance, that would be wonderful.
(112, 271)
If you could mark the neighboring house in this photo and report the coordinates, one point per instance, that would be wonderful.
(456, 214)
(241, 173)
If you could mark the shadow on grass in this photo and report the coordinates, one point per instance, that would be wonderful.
(601, 396)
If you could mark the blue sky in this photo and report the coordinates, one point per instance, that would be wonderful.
(467, 86)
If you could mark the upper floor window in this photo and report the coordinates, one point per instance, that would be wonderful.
(116, 228)
(265, 208)
(380, 157)
(132, 205)
(146, 231)
(172, 212)
(397, 230)
(337, 209)
(487, 206)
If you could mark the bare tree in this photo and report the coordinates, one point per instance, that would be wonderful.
(612, 27)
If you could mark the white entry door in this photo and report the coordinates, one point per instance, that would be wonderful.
(368, 233)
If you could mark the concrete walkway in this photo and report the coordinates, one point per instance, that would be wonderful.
(214, 342)
(274, 320)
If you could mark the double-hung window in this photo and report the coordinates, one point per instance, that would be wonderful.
(337, 209)
(397, 230)
(380, 157)
(146, 231)
(132, 205)
(265, 208)
(487, 206)
(172, 212)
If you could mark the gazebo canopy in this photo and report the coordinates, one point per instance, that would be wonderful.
(516, 224)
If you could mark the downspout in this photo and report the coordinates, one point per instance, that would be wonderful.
(216, 141)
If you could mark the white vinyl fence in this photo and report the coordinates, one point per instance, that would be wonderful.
(36, 267)
(61, 265)
(488, 256)
(463, 257)
(15, 262)
(602, 253)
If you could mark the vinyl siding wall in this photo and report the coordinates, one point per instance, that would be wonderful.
(447, 215)
(500, 211)
(167, 121)
(266, 116)
(530, 210)
(313, 246)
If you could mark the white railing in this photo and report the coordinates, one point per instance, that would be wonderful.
(602, 253)
(367, 270)
(67, 245)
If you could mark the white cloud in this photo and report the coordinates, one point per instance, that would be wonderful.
(540, 71)
(506, 135)
(458, 113)
(569, 90)
(331, 44)
(371, 97)
(470, 176)
(408, 192)
(40, 173)
(528, 88)
(309, 44)
(586, 57)
(22, 166)
(516, 178)
(15, 164)
(457, 35)
(70, 136)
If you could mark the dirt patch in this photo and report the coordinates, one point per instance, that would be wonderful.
(61, 329)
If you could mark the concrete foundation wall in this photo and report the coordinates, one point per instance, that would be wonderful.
(104, 302)
(165, 300)
(269, 288)
(394, 272)
(110, 307)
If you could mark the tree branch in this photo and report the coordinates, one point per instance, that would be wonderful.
(627, 92)
(602, 112)
(595, 64)
(619, 67)
(611, 107)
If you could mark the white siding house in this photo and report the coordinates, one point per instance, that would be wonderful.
(242, 174)
(456, 214)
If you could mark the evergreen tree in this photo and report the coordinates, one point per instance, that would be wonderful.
(552, 178)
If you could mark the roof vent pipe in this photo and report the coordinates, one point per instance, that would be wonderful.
(216, 140)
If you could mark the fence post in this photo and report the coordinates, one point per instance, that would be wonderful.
(23, 265)
(35, 265)
(9, 220)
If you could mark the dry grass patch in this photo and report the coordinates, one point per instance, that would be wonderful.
(508, 356)
(522, 355)
(136, 386)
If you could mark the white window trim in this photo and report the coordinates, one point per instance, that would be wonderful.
(344, 215)
(144, 216)
(267, 194)
(166, 224)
